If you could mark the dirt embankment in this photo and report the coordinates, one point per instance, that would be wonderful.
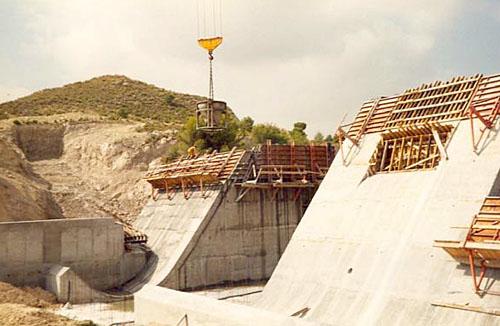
(23, 194)
(78, 169)
(31, 307)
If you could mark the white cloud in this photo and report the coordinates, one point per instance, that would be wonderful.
(281, 61)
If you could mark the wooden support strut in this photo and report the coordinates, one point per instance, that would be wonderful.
(341, 133)
(167, 191)
(439, 144)
(477, 284)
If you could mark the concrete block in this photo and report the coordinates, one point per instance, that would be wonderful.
(69, 287)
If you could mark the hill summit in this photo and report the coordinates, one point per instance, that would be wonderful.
(111, 96)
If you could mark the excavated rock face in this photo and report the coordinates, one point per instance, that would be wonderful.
(23, 194)
(91, 169)
(40, 142)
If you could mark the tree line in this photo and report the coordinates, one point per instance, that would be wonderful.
(244, 134)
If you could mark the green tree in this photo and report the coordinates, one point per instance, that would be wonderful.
(318, 138)
(246, 125)
(263, 131)
(205, 141)
(298, 135)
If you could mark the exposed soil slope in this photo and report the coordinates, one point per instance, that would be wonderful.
(23, 194)
(77, 169)
(30, 307)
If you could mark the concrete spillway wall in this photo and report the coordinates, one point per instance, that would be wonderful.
(243, 241)
(92, 247)
(200, 242)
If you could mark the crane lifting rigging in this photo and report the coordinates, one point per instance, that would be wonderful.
(210, 114)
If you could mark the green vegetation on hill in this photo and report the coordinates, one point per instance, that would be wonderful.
(114, 97)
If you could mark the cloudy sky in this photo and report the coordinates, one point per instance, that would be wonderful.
(281, 61)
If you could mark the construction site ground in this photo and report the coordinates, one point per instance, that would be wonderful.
(32, 307)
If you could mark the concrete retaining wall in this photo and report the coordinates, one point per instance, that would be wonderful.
(92, 247)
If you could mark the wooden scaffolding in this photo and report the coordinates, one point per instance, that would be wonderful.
(274, 167)
(410, 148)
(481, 246)
(190, 173)
(475, 97)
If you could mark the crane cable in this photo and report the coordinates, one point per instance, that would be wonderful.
(202, 8)
(211, 78)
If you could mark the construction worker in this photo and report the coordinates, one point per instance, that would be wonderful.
(192, 152)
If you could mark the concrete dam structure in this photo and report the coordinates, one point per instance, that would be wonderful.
(404, 229)
(226, 218)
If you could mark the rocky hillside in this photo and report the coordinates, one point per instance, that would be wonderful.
(82, 150)
(23, 194)
(113, 97)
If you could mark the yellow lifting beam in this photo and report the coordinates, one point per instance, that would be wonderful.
(210, 44)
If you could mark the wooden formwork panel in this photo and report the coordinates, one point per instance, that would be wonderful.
(434, 102)
(483, 238)
(382, 113)
(360, 118)
(409, 149)
(439, 101)
(310, 156)
(207, 168)
(377, 120)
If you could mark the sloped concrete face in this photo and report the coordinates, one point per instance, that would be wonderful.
(173, 227)
(242, 241)
(200, 242)
(363, 253)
